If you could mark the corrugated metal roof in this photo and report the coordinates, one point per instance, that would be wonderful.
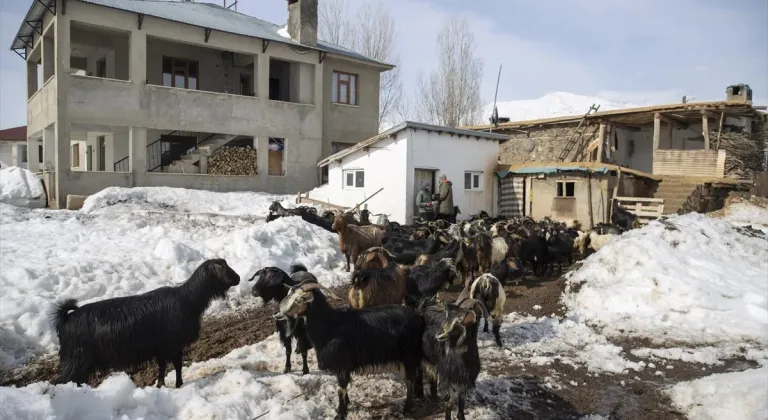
(204, 15)
(417, 126)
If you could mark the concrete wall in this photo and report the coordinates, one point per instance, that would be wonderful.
(385, 167)
(41, 108)
(350, 123)
(452, 156)
(542, 198)
(11, 154)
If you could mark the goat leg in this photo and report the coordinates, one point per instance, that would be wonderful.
(288, 348)
(433, 388)
(177, 367)
(497, 331)
(420, 383)
(160, 371)
(341, 411)
(485, 327)
(410, 381)
(302, 344)
(452, 396)
(461, 408)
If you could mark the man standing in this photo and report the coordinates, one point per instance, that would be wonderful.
(445, 209)
(424, 202)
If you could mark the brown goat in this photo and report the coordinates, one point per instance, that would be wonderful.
(378, 280)
(354, 239)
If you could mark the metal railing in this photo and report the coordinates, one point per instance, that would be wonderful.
(123, 165)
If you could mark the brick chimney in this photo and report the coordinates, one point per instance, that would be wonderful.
(302, 21)
(741, 93)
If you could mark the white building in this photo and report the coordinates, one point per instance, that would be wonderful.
(402, 158)
(13, 147)
(137, 93)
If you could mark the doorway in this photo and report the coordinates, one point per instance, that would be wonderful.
(420, 177)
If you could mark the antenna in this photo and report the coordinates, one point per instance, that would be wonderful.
(232, 5)
(495, 114)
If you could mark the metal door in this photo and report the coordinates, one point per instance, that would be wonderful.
(420, 177)
(512, 196)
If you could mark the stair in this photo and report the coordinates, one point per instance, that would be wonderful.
(675, 192)
(207, 146)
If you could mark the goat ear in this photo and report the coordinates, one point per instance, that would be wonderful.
(469, 318)
(218, 270)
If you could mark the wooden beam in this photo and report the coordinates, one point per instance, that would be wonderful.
(673, 121)
(656, 130)
(622, 125)
(600, 142)
(705, 128)
(719, 130)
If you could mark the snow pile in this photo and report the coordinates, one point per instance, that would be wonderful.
(687, 279)
(184, 200)
(727, 396)
(283, 32)
(752, 211)
(241, 385)
(544, 340)
(554, 104)
(21, 187)
(118, 251)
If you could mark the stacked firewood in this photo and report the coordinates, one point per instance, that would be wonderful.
(233, 161)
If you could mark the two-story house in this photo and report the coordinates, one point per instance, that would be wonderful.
(140, 93)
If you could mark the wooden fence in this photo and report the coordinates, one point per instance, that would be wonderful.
(646, 209)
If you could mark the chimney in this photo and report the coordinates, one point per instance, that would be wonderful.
(741, 93)
(302, 21)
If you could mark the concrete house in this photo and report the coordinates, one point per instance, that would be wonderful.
(143, 93)
(13, 147)
(402, 158)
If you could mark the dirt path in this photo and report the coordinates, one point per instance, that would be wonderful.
(633, 396)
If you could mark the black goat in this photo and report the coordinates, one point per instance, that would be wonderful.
(622, 217)
(407, 251)
(451, 356)
(534, 251)
(560, 248)
(424, 281)
(128, 331)
(363, 340)
(272, 286)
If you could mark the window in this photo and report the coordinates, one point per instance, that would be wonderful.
(566, 188)
(180, 73)
(102, 153)
(23, 151)
(75, 158)
(344, 89)
(101, 67)
(276, 157)
(473, 181)
(354, 178)
(40, 153)
(336, 147)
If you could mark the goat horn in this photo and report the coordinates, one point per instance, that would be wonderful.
(306, 287)
(474, 303)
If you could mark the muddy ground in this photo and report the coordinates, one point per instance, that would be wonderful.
(633, 396)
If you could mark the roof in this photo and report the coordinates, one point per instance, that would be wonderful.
(557, 167)
(14, 134)
(204, 15)
(416, 126)
(636, 116)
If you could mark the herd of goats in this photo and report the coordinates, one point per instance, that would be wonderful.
(396, 320)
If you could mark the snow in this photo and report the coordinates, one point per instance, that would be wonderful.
(283, 32)
(554, 104)
(726, 396)
(689, 279)
(130, 241)
(21, 187)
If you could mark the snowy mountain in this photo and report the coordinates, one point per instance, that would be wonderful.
(555, 104)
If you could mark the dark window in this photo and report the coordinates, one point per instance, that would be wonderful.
(467, 180)
(180, 73)
(354, 178)
(40, 153)
(102, 153)
(472, 181)
(101, 68)
(23, 151)
(566, 189)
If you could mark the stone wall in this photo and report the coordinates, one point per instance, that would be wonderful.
(541, 144)
(707, 197)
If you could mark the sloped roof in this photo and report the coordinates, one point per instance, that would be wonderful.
(634, 116)
(417, 126)
(204, 15)
(14, 134)
(532, 168)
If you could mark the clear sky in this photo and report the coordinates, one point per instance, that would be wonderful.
(639, 51)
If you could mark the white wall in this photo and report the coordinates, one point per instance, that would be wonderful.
(384, 166)
(6, 154)
(452, 156)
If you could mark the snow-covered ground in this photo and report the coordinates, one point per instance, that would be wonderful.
(726, 396)
(129, 241)
(554, 104)
(691, 279)
(21, 187)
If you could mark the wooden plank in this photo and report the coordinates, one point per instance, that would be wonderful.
(673, 121)
(705, 128)
(656, 130)
(719, 130)
(641, 199)
(691, 163)
(600, 142)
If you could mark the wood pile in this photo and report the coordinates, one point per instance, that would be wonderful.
(233, 161)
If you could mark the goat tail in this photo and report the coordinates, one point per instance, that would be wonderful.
(60, 313)
(297, 268)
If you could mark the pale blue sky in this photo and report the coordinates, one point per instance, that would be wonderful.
(640, 51)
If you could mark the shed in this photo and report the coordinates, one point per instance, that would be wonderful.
(575, 191)
(402, 158)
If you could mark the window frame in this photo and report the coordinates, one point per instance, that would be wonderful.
(336, 84)
(476, 178)
(74, 159)
(353, 172)
(561, 189)
(184, 65)
(284, 162)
